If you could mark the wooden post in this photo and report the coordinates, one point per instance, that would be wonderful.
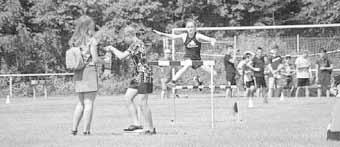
(11, 87)
(297, 43)
(212, 96)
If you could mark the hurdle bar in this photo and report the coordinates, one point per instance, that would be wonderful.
(182, 63)
(204, 87)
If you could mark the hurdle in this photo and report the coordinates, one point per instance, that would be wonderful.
(209, 63)
(204, 87)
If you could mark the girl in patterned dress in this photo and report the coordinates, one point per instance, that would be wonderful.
(141, 83)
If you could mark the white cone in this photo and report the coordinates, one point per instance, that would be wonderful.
(8, 100)
(250, 103)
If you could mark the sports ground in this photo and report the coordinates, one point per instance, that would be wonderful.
(288, 123)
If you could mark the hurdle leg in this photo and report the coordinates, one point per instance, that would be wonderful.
(212, 96)
(10, 87)
(173, 120)
(45, 91)
(34, 91)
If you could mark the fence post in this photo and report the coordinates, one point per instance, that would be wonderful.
(10, 87)
(235, 42)
(297, 43)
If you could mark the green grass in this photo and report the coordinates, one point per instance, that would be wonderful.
(41, 123)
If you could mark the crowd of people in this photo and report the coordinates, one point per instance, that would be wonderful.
(273, 75)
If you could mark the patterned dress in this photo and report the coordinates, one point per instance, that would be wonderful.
(142, 72)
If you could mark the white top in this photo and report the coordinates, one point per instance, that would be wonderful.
(302, 67)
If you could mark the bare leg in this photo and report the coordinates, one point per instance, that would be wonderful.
(271, 85)
(89, 98)
(78, 112)
(297, 92)
(130, 96)
(146, 111)
(228, 92)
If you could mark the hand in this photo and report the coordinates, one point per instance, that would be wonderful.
(257, 69)
(106, 74)
(108, 48)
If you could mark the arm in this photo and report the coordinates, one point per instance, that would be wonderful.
(249, 64)
(93, 49)
(171, 36)
(317, 66)
(206, 38)
(118, 53)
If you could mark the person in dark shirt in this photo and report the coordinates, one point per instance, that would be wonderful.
(324, 71)
(257, 65)
(230, 69)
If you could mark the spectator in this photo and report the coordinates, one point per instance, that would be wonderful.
(230, 70)
(247, 76)
(287, 72)
(274, 75)
(257, 65)
(303, 73)
(323, 74)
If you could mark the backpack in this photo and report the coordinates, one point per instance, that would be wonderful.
(74, 59)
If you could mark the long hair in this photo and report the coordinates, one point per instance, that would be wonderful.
(83, 32)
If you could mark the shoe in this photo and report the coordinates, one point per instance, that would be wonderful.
(333, 135)
(86, 133)
(198, 82)
(74, 132)
(133, 128)
(171, 84)
(149, 132)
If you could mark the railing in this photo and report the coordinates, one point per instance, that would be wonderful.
(32, 82)
(59, 74)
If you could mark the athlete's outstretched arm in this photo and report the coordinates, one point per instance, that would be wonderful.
(118, 53)
(206, 38)
(171, 36)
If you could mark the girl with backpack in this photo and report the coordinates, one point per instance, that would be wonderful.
(85, 71)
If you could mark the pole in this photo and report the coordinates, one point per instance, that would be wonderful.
(212, 95)
(235, 42)
(297, 43)
(10, 87)
(173, 75)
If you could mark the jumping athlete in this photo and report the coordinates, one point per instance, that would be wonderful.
(192, 45)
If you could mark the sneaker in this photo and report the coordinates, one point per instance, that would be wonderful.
(133, 128)
(333, 135)
(171, 84)
(74, 132)
(149, 132)
(87, 133)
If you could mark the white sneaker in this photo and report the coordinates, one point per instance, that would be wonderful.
(250, 104)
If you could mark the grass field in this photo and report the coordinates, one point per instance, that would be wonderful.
(293, 122)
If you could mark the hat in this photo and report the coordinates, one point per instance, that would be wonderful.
(248, 52)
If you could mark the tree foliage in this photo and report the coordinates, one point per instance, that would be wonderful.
(34, 34)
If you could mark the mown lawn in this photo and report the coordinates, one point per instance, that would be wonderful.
(293, 122)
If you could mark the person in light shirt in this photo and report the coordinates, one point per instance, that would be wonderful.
(303, 73)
